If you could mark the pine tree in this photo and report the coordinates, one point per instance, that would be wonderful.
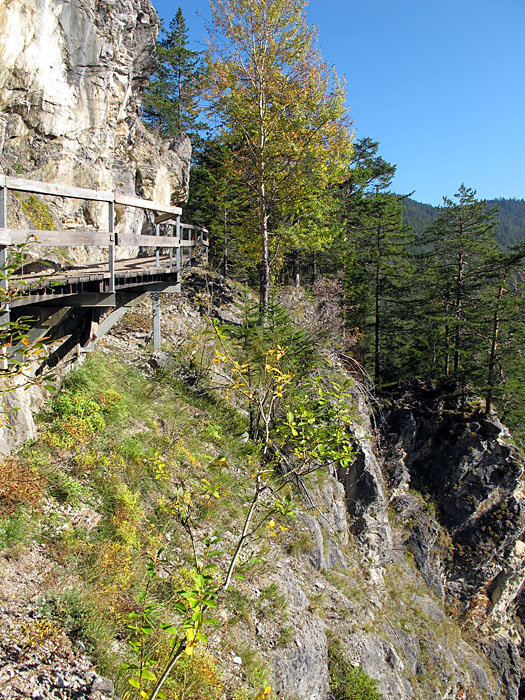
(218, 201)
(172, 99)
(505, 305)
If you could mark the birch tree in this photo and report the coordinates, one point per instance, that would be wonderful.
(269, 87)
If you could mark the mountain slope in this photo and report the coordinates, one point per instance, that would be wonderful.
(369, 580)
(511, 228)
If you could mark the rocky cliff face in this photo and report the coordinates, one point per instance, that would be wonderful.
(400, 564)
(71, 78)
(456, 484)
(421, 539)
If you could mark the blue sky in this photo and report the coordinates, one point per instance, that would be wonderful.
(439, 83)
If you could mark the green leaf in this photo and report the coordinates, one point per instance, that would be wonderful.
(149, 675)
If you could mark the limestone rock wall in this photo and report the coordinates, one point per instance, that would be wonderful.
(72, 74)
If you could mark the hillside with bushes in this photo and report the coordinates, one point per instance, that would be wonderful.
(234, 487)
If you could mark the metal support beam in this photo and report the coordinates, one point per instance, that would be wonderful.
(155, 304)
(87, 299)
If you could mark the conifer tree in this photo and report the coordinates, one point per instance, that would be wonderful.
(374, 251)
(172, 99)
(218, 201)
(462, 244)
(501, 375)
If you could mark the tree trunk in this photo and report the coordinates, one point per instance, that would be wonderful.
(460, 282)
(377, 323)
(447, 342)
(225, 252)
(264, 266)
(493, 351)
(296, 276)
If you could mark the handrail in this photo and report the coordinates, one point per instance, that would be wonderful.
(59, 190)
(86, 237)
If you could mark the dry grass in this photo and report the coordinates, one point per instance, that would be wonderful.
(19, 485)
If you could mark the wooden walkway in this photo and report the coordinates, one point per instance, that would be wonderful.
(107, 288)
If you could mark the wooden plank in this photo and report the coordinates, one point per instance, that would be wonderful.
(18, 183)
(164, 217)
(131, 239)
(145, 204)
(66, 238)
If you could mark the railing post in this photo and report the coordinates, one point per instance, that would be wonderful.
(157, 250)
(111, 229)
(171, 249)
(178, 260)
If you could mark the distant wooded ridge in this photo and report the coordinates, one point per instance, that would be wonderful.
(511, 228)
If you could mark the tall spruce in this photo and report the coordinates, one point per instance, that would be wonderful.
(218, 201)
(461, 246)
(374, 250)
(502, 373)
(172, 99)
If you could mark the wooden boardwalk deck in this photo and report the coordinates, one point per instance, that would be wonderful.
(56, 287)
(83, 302)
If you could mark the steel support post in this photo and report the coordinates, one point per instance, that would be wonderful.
(155, 305)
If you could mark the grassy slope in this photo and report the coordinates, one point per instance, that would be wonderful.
(126, 447)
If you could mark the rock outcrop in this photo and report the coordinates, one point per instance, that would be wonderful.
(456, 483)
(72, 76)
(71, 80)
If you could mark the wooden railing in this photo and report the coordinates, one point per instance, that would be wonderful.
(181, 235)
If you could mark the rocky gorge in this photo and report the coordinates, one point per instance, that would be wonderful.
(405, 566)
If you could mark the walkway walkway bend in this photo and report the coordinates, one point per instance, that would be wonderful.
(82, 303)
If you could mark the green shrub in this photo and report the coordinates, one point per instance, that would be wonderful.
(348, 682)
(80, 616)
(16, 529)
(195, 678)
(38, 213)
(66, 489)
